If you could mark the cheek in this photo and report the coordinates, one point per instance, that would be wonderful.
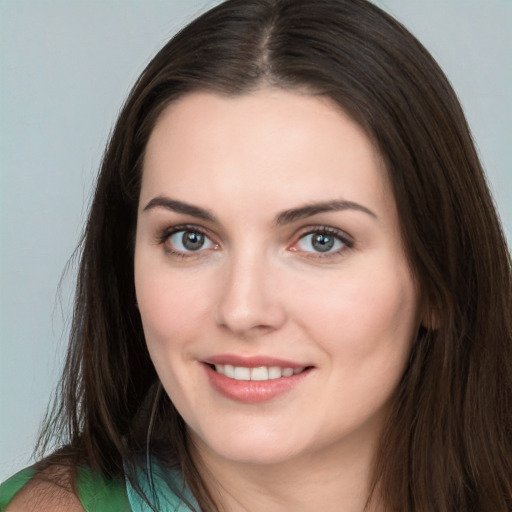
(173, 305)
(365, 326)
(367, 313)
(172, 309)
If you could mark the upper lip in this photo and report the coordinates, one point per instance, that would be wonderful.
(253, 361)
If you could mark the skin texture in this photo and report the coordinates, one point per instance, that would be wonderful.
(261, 288)
(50, 490)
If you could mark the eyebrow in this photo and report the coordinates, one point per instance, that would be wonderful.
(180, 207)
(285, 217)
(308, 210)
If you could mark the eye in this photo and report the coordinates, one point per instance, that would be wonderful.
(186, 241)
(322, 241)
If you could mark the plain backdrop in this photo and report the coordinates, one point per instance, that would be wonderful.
(65, 68)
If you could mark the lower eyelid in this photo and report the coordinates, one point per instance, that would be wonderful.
(341, 237)
(170, 249)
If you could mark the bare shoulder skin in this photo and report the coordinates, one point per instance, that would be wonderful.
(51, 490)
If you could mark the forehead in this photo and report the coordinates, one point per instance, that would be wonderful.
(264, 144)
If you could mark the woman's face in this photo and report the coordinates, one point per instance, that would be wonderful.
(277, 302)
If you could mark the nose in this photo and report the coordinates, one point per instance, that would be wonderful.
(249, 301)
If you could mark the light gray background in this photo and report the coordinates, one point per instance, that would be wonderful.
(66, 67)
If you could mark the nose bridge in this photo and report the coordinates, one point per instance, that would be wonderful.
(248, 299)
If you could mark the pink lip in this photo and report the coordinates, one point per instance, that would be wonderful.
(253, 361)
(253, 391)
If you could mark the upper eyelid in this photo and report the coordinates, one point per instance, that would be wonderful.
(340, 233)
(165, 234)
(346, 239)
(170, 230)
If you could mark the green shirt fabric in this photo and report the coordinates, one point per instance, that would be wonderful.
(96, 494)
(11, 487)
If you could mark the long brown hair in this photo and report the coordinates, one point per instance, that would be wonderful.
(447, 445)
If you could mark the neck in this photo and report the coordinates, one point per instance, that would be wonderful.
(336, 478)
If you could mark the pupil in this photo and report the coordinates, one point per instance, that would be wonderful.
(323, 243)
(192, 241)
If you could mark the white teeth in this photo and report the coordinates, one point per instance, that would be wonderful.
(242, 373)
(287, 372)
(260, 373)
(274, 372)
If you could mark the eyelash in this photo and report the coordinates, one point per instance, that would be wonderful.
(165, 234)
(346, 241)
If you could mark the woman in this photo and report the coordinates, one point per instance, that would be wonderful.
(294, 291)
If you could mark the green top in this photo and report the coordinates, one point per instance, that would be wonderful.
(11, 487)
(98, 494)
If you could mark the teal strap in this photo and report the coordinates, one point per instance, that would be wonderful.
(162, 494)
(11, 487)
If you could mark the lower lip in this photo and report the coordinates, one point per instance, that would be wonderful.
(253, 391)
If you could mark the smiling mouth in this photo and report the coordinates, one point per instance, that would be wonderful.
(259, 373)
(254, 380)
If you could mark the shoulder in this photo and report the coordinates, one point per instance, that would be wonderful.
(51, 489)
(63, 488)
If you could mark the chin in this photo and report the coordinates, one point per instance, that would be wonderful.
(251, 448)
